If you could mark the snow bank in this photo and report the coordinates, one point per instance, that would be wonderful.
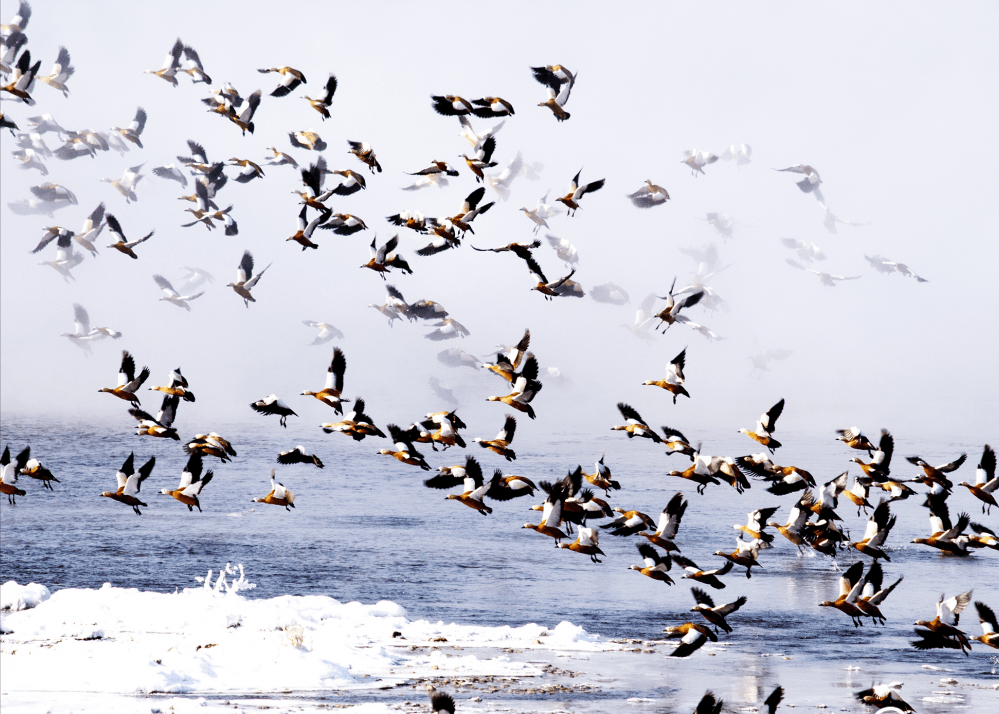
(22, 597)
(214, 639)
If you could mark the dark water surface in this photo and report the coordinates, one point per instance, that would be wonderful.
(365, 528)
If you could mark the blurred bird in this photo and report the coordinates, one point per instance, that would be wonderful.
(697, 160)
(172, 296)
(740, 153)
(327, 332)
(126, 184)
(811, 182)
(649, 196)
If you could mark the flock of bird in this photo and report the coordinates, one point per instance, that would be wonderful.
(571, 503)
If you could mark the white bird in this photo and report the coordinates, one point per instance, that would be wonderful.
(62, 70)
(34, 141)
(170, 171)
(811, 182)
(643, 319)
(126, 184)
(807, 252)
(83, 335)
(741, 153)
(829, 220)
(327, 332)
(172, 296)
(45, 123)
(649, 195)
(501, 182)
(30, 159)
(721, 222)
(539, 213)
(92, 227)
(477, 139)
(64, 262)
(565, 250)
(697, 160)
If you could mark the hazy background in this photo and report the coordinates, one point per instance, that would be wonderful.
(895, 105)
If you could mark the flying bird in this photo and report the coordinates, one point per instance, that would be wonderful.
(273, 405)
(577, 191)
(172, 296)
(245, 279)
(290, 79)
(322, 104)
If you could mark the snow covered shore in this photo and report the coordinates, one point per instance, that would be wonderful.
(214, 639)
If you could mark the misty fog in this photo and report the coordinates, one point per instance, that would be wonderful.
(894, 104)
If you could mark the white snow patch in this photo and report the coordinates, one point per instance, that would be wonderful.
(213, 638)
(22, 597)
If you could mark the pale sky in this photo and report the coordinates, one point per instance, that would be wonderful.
(893, 103)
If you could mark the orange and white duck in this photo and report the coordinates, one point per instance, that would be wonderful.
(161, 426)
(177, 385)
(551, 517)
(697, 160)
(128, 383)
(986, 481)
(501, 444)
(851, 583)
(669, 524)
(290, 79)
(601, 478)
(403, 449)
(576, 192)
(653, 566)
(331, 391)
(130, 482)
(279, 495)
(715, 614)
(10, 472)
(879, 525)
(673, 382)
(356, 424)
(123, 244)
(692, 638)
(942, 631)
(587, 542)
(245, 279)
(191, 483)
(670, 314)
(635, 425)
(765, 427)
(171, 64)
